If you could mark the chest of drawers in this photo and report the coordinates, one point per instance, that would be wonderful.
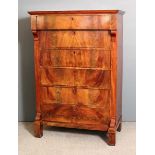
(78, 70)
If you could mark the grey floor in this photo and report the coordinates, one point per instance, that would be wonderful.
(61, 141)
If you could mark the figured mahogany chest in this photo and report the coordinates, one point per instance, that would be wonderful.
(78, 70)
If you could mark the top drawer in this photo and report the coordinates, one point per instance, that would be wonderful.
(55, 22)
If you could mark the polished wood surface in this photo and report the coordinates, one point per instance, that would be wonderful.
(75, 96)
(75, 77)
(74, 22)
(78, 70)
(77, 12)
(92, 58)
(74, 39)
(80, 114)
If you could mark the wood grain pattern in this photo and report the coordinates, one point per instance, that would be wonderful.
(80, 114)
(75, 77)
(57, 76)
(92, 78)
(96, 58)
(58, 95)
(112, 132)
(33, 23)
(97, 126)
(75, 96)
(77, 12)
(57, 22)
(92, 97)
(38, 128)
(78, 70)
(77, 39)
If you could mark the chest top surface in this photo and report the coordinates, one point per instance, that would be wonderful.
(77, 19)
(77, 12)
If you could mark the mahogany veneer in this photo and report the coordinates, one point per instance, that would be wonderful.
(78, 70)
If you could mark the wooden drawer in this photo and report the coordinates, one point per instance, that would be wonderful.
(57, 95)
(57, 22)
(75, 77)
(92, 78)
(57, 58)
(75, 96)
(75, 58)
(57, 76)
(75, 114)
(74, 39)
(93, 97)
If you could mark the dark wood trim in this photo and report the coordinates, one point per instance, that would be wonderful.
(77, 12)
(98, 127)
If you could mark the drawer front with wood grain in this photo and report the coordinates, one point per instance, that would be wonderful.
(75, 77)
(94, 58)
(92, 78)
(74, 39)
(57, 22)
(96, 98)
(75, 114)
(58, 95)
(57, 76)
(75, 96)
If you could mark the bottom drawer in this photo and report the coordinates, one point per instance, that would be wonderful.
(75, 114)
(75, 96)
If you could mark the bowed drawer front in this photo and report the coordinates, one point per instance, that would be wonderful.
(57, 22)
(75, 39)
(85, 58)
(78, 57)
